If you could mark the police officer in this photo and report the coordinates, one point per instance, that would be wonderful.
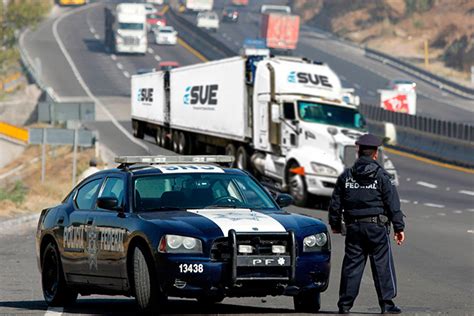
(367, 200)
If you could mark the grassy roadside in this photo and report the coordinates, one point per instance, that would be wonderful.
(24, 193)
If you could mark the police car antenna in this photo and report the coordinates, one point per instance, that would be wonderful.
(126, 161)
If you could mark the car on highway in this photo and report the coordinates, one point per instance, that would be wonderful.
(155, 20)
(270, 8)
(230, 14)
(166, 35)
(179, 226)
(401, 85)
(168, 65)
(141, 71)
(208, 20)
(150, 8)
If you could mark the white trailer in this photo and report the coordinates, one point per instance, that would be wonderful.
(285, 119)
(199, 5)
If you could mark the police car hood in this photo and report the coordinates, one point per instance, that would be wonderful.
(365, 170)
(217, 222)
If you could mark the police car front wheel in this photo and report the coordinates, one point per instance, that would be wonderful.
(307, 301)
(55, 289)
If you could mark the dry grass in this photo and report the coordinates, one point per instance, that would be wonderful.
(37, 195)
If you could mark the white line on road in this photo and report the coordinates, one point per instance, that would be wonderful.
(404, 201)
(113, 56)
(408, 179)
(158, 58)
(356, 86)
(97, 36)
(466, 192)
(442, 214)
(54, 311)
(448, 189)
(150, 50)
(83, 83)
(470, 210)
(371, 93)
(471, 231)
(92, 30)
(434, 205)
(427, 185)
(119, 66)
(415, 202)
(457, 212)
(126, 74)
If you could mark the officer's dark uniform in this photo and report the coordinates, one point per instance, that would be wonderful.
(362, 196)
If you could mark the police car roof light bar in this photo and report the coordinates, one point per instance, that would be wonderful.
(129, 160)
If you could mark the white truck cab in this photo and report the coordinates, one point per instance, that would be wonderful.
(131, 32)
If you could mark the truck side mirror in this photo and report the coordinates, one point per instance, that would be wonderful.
(275, 113)
(289, 111)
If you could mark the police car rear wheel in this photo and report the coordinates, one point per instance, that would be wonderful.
(147, 293)
(55, 290)
(308, 301)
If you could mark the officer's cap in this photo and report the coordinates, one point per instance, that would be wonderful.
(369, 140)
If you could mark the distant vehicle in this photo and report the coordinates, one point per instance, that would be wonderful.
(166, 35)
(240, 2)
(168, 65)
(199, 5)
(72, 2)
(157, 2)
(125, 28)
(254, 47)
(280, 31)
(208, 20)
(155, 20)
(269, 8)
(141, 71)
(230, 14)
(401, 85)
(150, 8)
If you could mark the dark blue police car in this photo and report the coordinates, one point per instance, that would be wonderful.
(179, 226)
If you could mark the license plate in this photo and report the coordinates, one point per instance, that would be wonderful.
(263, 261)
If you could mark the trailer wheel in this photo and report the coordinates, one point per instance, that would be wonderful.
(231, 151)
(164, 138)
(175, 141)
(183, 145)
(242, 158)
(138, 129)
(158, 136)
(297, 186)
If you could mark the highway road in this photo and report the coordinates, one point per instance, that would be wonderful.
(435, 267)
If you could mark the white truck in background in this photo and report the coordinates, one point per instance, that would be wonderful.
(125, 28)
(199, 5)
(283, 118)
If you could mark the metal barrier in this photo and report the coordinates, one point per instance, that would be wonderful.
(14, 132)
(454, 130)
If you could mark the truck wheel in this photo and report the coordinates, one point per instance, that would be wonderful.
(297, 186)
(231, 151)
(175, 141)
(164, 138)
(55, 290)
(183, 143)
(242, 158)
(307, 301)
(138, 129)
(147, 292)
(158, 137)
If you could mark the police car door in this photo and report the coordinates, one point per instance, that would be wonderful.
(75, 233)
(106, 253)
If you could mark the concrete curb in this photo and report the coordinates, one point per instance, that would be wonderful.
(12, 223)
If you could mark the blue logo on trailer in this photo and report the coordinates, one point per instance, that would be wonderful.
(292, 77)
(187, 95)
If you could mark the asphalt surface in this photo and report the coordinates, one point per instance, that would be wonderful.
(435, 267)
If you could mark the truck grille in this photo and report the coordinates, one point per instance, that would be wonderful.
(262, 263)
(350, 156)
(131, 40)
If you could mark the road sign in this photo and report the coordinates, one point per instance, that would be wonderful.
(60, 136)
(66, 111)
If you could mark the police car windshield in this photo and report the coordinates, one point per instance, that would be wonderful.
(331, 115)
(198, 191)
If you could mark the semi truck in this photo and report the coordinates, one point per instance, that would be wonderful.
(125, 28)
(240, 2)
(280, 30)
(282, 118)
(199, 5)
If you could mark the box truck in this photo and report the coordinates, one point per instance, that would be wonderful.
(283, 118)
(280, 30)
(199, 5)
(125, 28)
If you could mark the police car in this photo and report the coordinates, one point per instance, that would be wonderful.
(179, 226)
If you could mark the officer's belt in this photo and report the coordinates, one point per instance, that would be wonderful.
(367, 219)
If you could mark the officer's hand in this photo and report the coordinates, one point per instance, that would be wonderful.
(399, 237)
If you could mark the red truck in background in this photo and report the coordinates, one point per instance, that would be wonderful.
(280, 30)
(240, 2)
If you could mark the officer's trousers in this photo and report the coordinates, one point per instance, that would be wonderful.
(362, 240)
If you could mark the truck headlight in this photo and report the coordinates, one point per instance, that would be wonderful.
(323, 170)
(315, 242)
(179, 244)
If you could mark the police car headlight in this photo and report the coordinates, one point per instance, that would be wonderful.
(323, 170)
(179, 244)
(314, 242)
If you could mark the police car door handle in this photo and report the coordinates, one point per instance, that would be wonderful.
(90, 221)
(60, 220)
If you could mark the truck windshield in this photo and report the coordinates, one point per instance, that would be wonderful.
(131, 26)
(331, 115)
(197, 191)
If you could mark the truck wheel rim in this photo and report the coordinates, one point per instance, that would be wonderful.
(240, 162)
(50, 275)
(296, 186)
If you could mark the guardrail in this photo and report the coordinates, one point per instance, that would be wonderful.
(12, 131)
(440, 82)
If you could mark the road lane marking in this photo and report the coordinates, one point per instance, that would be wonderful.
(426, 184)
(113, 56)
(434, 205)
(371, 93)
(92, 30)
(415, 202)
(471, 231)
(356, 86)
(97, 36)
(404, 201)
(457, 212)
(442, 214)
(81, 81)
(448, 189)
(428, 161)
(150, 51)
(408, 179)
(119, 66)
(186, 46)
(466, 192)
(470, 210)
(158, 58)
(126, 74)
(54, 311)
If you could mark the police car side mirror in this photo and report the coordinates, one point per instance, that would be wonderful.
(284, 200)
(108, 203)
